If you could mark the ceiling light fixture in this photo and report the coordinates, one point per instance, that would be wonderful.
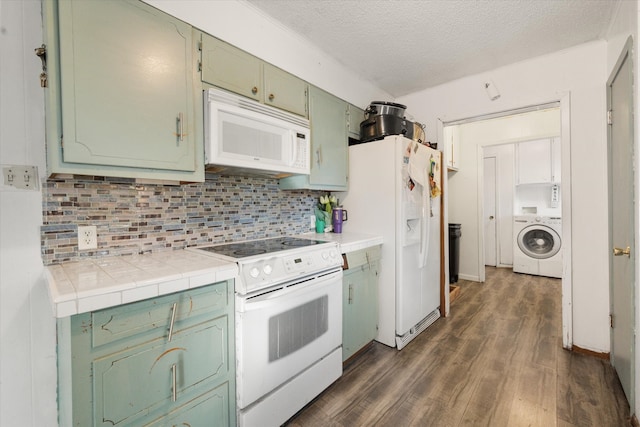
(492, 91)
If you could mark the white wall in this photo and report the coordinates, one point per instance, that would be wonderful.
(625, 24)
(242, 25)
(27, 326)
(581, 72)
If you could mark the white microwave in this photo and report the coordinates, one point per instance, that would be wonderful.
(242, 135)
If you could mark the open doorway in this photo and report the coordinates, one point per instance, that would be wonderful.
(492, 142)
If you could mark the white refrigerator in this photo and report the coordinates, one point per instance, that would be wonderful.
(394, 191)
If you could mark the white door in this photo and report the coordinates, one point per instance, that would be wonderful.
(621, 217)
(490, 235)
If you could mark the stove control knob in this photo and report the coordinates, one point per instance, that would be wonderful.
(254, 272)
(325, 255)
(267, 269)
(333, 254)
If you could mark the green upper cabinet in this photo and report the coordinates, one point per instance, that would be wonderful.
(355, 116)
(230, 68)
(233, 69)
(329, 145)
(122, 98)
(284, 90)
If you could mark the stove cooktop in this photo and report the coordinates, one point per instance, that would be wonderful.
(258, 247)
(270, 262)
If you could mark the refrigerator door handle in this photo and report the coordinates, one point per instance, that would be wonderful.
(425, 224)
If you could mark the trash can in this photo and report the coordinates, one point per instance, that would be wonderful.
(454, 251)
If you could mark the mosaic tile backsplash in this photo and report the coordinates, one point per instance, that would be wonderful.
(134, 218)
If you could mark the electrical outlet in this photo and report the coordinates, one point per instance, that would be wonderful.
(312, 221)
(87, 237)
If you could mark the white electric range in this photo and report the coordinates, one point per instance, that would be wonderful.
(288, 323)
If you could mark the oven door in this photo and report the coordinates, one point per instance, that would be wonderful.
(282, 332)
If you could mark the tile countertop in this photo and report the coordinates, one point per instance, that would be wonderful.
(348, 241)
(83, 286)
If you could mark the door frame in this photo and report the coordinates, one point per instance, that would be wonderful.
(564, 99)
(625, 54)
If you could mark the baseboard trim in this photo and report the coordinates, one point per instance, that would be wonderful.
(603, 356)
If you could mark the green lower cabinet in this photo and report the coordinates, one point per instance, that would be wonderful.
(209, 410)
(360, 300)
(161, 362)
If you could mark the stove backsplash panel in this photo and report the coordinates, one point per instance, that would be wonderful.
(133, 218)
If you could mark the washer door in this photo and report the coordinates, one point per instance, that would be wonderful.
(539, 241)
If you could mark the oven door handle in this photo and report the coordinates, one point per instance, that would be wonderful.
(266, 296)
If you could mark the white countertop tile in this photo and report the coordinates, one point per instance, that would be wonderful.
(348, 241)
(78, 287)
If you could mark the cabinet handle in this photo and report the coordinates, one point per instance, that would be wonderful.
(254, 90)
(174, 391)
(41, 52)
(350, 294)
(319, 155)
(180, 127)
(173, 319)
(620, 251)
(271, 97)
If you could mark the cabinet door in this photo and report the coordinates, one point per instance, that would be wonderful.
(354, 284)
(208, 410)
(130, 384)
(153, 317)
(284, 90)
(360, 306)
(123, 363)
(355, 116)
(329, 145)
(230, 68)
(126, 89)
(534, 161)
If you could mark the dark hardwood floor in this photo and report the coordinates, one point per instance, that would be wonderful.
(497, 360)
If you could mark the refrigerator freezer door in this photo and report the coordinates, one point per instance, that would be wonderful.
(409, 294)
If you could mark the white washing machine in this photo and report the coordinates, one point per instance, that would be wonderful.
(537, 245)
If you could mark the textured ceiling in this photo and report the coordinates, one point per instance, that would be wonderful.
(403, 46)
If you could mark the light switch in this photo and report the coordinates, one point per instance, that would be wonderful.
(21, 177)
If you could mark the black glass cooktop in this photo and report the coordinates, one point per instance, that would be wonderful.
(258, 247)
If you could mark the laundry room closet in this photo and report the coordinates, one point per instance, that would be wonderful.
(508, 166)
